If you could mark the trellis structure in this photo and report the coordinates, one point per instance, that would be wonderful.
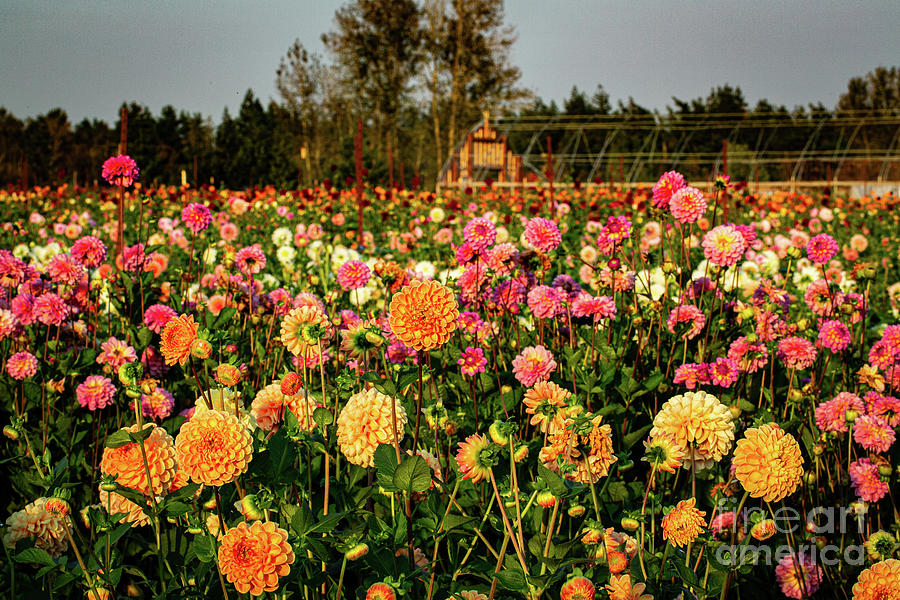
(632, 148)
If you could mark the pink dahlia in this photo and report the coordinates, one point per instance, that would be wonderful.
(12, 270)
(873, 433)
(691, 375)
(820, 299)
(542, 234)
(9, 322)
(65, 269)
(156, 317)
(798, 575)
(95, 392)
(479, 233)
(616, 231)
(723, 372)
(545, 302)
(688, 318)
(749, 356)
(796, 352)
(687, 205)
(599, 307)
(669, 183)
(196, 216)
(21, 365)
(534, 364)
(50, 309)
(867, 482)
(831, 415)
(724, 245)
(885, 407)
(250, 259)
(158, 404)
(822, 248)
(115, 354)
(834, 335)
(472, 361)
(353, 275)
(90, 251)
(23, 307)
(120, 170)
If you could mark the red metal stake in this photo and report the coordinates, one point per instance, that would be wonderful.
(357, 149)
(120, 203)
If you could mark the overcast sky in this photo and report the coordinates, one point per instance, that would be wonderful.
(201, 56)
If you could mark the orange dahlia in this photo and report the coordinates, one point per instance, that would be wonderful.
(126, 463)
(380, 591)
(423, 315)
(177, 337)
(116, 503)
(270, 403)
(768, 462)
(663, 452)
(303, 327)
(253, 557)
(881, 581)
(213, 448)
(546, 402)
(577, 588)
(700, 424)
(683, 523)
(569, 448)
(46, 527)
(366, 421)
(475, 458)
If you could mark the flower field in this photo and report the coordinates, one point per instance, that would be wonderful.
(598, 393)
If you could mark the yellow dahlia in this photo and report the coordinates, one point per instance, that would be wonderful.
(366, 421)
(46, 527)
(768, 462)
(423, 315)
(213, 448)
(227, 401)
(663, 452)
(700, 424)
(546, 402)
(116, 503)
(683, 523)
(253, 557)
(270, 403)
(126, 463)
(302, 328)
(177, 337)
(468, 595)
(566, 446)
(621, 588)
(881, 581)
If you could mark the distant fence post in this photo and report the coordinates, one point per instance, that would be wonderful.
(550, 173)
(357, 150)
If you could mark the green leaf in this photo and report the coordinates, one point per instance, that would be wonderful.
(323, 417)
(413, 475)
(611, 409)
(654, 379)
(632, 438)
(203, 548)
(385, 460)
(689, 577)
(326, 524)
(144, 336)
(513, 579)
(176, 509)
(224, 317)
(35, 555)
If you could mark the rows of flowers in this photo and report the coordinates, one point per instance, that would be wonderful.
(478, 394)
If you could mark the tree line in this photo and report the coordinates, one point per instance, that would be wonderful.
(418, 74)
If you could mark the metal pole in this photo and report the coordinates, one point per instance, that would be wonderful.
(550, 173)
(120, 201)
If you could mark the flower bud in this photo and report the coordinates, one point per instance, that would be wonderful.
(356, 552)
(210, 504)
(108, 483)
(498, 433)
(12, 432)
(291, 383)
(851, 415)
(629, 524)
(228, 375)
(763, 530)
(201, 349)
(521, 452)
(576, 510)
(546, 499)
(250, 508)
